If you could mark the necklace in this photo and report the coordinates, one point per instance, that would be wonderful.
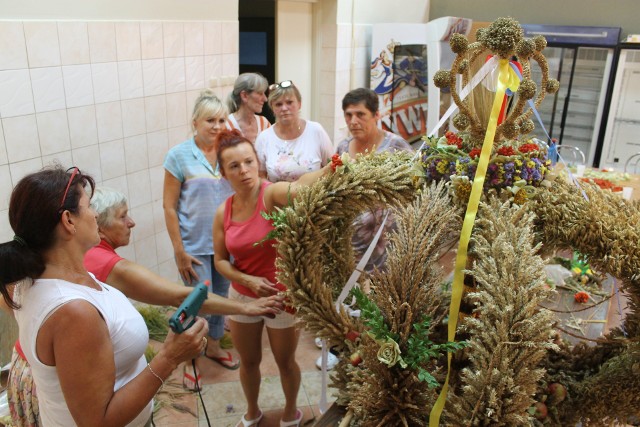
(284, 132)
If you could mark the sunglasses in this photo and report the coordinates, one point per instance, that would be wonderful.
(283, 85)
(74, 171)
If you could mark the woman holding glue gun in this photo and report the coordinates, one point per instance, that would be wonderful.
(134, 280)
(83, 339)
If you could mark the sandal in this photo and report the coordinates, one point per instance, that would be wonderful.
(226, 362)
(250, 423)
(293, 423)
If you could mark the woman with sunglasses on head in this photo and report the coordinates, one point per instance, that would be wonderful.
(133, 280)
(83, 339)
(293, 146)
(193, 189)
(244, 257)
(245, 103)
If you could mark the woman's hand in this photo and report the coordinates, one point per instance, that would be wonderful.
(268, 307)
(188, 345)
(185, 262)
(261, 286)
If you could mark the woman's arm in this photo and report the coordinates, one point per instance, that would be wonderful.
(278, 194)
(259, 285)
(170, 197)
(326, 147)
(75, 340)
(141, 284)
(262, 154)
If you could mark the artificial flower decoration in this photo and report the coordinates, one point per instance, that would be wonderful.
(581, 297)
(389, 353)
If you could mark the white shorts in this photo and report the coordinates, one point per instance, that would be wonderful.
(281, 321)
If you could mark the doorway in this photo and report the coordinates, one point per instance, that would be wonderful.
(257, 41)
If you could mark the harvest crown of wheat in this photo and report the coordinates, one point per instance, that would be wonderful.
(414, 358)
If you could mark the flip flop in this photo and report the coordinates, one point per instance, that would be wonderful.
(293, 423)
(250, 423)
(223, 361)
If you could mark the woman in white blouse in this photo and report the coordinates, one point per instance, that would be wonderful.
(293, 146)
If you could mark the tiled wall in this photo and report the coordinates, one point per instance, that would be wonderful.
(110, 98)
(344, 66)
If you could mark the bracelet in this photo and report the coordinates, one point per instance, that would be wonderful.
(156, 375)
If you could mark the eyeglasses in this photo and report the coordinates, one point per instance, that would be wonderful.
(74, 171)
(283, 85)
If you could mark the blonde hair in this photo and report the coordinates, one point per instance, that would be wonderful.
(278, 92)
(208, 105)
(247, 82)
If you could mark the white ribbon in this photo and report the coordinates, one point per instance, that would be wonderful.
(488, 67)
(360, 267)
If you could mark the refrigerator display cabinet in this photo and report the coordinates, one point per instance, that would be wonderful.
(621, 137)
(581, 59)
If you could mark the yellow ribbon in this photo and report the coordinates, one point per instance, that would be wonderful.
(467, 226)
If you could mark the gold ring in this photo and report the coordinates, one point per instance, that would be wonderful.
(204, 341)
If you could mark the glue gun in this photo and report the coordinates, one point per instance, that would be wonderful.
(186, 314)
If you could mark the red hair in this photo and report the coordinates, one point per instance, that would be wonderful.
(229, 139)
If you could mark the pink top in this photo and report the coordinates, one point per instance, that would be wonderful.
(100, 260)
(241, 237)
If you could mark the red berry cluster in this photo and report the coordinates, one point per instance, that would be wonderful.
(475, 153)
(336, 161)
(506, 150)
(581, 297)
(453, 139)
(529, 147)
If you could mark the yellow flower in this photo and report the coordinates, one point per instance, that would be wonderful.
(518, 162)
(530, 164)
(389, 353)
(442, 166)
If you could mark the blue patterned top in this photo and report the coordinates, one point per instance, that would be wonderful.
(203, 190)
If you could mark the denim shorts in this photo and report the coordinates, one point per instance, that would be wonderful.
(219, 286)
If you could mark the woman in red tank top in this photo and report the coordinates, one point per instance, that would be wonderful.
(238, 225)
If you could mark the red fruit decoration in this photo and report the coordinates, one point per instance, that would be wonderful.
(558, 391)
(353, 335)
(541, 411)
(355, 359)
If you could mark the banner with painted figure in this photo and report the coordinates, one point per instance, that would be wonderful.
(410, 104)
(410, 100)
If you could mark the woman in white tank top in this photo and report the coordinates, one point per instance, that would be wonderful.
(84, 340)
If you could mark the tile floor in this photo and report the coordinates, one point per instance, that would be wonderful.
(224, 400)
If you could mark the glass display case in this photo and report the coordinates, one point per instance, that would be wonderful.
(580, 58)
(621, 139)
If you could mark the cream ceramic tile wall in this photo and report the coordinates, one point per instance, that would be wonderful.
(344, 66)
(110, 98)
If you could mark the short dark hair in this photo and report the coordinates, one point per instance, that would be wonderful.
(361, 95)
(35, 209)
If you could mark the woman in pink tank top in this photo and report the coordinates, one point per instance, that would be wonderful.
(238, 225)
